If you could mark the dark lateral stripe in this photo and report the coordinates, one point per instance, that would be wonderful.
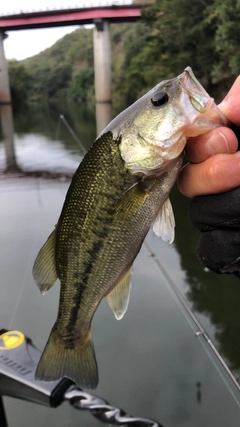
(80, 289)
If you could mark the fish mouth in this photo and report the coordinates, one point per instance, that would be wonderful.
(198, 97)
(197, 100)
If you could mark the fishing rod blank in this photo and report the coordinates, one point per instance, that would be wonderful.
(201, 331)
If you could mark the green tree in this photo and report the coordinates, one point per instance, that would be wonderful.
(80, 84)
(59, 71)
(172, 35)
(181, 36)
(39, 72)
(58, 79)
(224, 15)
(204, 35)
(129, 71)
(20, 83)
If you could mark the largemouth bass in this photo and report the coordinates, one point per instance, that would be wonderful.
(118, 192)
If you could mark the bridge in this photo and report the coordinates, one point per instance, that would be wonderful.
(101, 17)
(79, 16)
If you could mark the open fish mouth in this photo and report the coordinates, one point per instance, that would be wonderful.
(200, 109)
(199, 98)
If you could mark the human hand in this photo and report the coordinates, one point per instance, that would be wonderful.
(213, 175)
(214, 163)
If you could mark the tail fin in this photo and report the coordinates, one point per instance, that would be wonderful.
(77, 363)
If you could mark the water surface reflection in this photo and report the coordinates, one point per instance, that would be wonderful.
(214, 296)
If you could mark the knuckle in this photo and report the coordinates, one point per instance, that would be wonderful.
(183, 181)
(218, 173)
(214, 172)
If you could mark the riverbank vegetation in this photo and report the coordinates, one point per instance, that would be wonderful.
(171, 35)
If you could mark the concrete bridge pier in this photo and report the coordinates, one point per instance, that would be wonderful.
(6, 115)
(102, 72)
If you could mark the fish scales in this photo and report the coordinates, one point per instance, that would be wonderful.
(95, 239)
(118, 192)
(96, 232)
(83, 229)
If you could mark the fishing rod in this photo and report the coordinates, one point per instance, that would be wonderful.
(201, 331)
(18, 361)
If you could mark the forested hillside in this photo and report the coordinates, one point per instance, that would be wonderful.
(171, 35)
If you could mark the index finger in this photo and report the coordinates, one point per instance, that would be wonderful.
(218, 141)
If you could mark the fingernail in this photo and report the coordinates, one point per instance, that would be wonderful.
(217, 143)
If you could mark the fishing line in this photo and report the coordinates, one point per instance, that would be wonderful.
(83, 149)
(201, 331)
(24, 282)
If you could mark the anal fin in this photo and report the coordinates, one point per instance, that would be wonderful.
(118, 298)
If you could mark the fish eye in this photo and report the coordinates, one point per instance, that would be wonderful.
(159, 99)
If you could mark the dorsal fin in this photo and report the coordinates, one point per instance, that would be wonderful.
(118, 298)
(44, 269)
(164, 223)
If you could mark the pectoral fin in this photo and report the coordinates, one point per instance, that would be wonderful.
(44, 269)
(130, 202)
(164, 224)
(118, 298)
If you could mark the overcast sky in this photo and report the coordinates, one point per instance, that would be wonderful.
(25, 43)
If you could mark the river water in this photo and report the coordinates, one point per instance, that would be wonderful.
(152, 363)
